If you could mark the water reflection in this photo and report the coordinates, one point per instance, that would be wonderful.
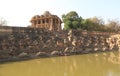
(114, 58)
(102, 64)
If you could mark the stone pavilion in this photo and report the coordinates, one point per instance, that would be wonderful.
(47, 21)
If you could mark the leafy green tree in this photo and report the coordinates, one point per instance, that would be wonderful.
(71, 20)
(68, 25)
(75, 24)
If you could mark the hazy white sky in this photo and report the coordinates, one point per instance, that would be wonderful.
(19, 12)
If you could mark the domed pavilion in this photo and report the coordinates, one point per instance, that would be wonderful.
(47, 21)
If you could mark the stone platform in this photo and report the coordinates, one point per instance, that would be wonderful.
(17, 43)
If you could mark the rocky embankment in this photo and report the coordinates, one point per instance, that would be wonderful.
(30, 43)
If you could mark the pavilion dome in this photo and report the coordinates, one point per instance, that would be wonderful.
(47, 13)
(35, 17)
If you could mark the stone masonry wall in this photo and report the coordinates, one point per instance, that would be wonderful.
(27, 43)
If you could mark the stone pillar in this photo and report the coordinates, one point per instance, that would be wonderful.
(55, 24)
(55, 21)
(45, 21)
(45, 24)
(41, 23)
(32, 23)
(35, 23)
(59, 25)
(38, 24)
(51, 24)
(48, 23)
(38, 21)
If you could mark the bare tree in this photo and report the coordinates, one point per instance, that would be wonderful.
(114, 25)
(3, 22)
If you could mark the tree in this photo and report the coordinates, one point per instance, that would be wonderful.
(71, 20)
(93, 24)
(97, 20)
(75, 24)
(113, 25)
(67, 25)
(3, 22)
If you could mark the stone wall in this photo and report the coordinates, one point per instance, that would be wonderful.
(27, 43)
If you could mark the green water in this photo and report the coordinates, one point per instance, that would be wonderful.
(102, 64)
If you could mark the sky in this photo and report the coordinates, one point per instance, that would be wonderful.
(20, 12)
